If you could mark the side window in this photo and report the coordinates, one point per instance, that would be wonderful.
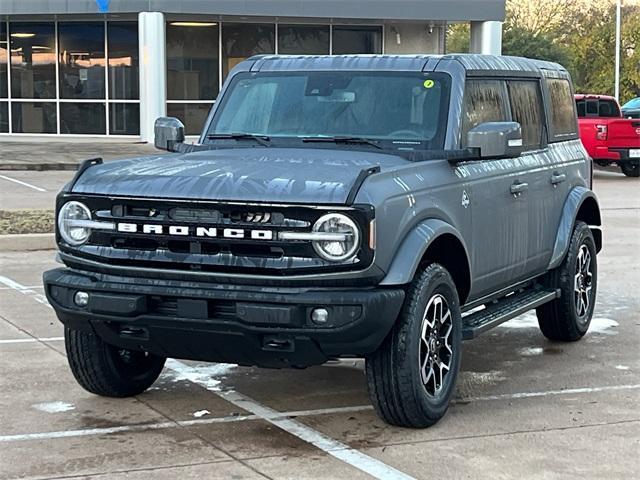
(525, 99)
(563, 117)
(582, 108)
(484, 101)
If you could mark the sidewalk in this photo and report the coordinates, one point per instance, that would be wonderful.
(63, 154)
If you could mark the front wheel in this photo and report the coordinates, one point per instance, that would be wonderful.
(631, 169)
(106, 370)
(412, 375)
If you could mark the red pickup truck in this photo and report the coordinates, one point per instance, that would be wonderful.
(608, 137)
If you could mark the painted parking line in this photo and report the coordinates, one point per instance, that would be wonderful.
(29, 292)
(31, 340)
(333, 447)
(24, 184)
(549, 393)
(87, 432)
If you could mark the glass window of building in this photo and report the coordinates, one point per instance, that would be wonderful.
(82, 59)
(122, 48)
(33, 67)
(303, 39)
(124, 119)
(193, 115)
(4, 117)
(242, 40)
(33, 117)
(192, 61)
(82, 118)
(356, 39)
(4, 59)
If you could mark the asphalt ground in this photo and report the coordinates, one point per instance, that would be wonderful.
(525, 407)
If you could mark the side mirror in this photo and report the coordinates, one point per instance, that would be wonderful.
(169, 132)
(496, 139)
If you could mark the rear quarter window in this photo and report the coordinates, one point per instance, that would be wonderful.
(563, 123)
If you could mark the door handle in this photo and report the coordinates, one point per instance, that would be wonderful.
(517, 188)
(557, 178)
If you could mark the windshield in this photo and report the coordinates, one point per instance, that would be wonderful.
(635, 103)
(396, 109)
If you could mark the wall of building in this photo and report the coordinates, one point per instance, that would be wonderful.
(404, 38)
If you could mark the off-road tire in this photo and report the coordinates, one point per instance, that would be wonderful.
(393, 372)
(559, 319)
(106, 370)
(631, 169)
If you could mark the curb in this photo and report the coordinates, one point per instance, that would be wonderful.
(39, 166)
(27, 242)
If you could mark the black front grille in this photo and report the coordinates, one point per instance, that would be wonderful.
(200, 242)
(219, 310)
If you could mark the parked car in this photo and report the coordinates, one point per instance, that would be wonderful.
(631, 109)
(384, 207)
(609, 138)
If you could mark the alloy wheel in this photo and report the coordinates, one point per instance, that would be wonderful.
(436, 352)
(583, 282)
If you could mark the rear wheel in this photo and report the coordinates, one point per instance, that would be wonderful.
(412, 376)
(106, 370)
(568, 317)
(631, 169)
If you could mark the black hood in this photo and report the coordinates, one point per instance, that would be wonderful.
(302, 175)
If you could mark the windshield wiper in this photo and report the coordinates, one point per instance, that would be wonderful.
(343, 139)
(261, 139)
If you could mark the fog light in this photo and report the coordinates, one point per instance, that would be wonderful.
(319, 316)
(81, 299)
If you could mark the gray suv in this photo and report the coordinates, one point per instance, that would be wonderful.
(384, 207)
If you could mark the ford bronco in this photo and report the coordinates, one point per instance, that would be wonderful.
(380, 207)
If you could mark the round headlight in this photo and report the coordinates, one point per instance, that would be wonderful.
(337, 250)
(68, 226)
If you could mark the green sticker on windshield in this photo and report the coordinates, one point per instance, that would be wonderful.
(429, 83)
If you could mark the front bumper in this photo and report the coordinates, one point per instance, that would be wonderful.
(248, 325)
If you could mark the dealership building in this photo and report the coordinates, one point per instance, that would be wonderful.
(111, 67)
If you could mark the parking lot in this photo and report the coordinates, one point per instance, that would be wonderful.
(525, 407)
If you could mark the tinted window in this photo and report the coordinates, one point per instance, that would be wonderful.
(409, 108)
(4, 117)
(124, 119)
(597, 108)
(83, 118)
(526, 108)
(81, 56)
(33, 68)
(192, 61)
(242, 40)
(303, 39)
(355, 39)
(192, 115)
(122, 42)
(4, 56)
(484, 101)
(33, 117)
(563, 117)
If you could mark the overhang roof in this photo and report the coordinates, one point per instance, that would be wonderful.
(381, 10)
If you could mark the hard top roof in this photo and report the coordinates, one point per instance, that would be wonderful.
(470, 62)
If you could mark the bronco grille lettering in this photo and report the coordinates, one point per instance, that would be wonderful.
(185, 230)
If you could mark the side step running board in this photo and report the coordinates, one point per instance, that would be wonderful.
(505, 309)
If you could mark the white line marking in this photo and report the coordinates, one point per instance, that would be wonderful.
(327, 444)
(23, 183)
(31, 340)
(567, 391)
(162, 425)
(38, 297)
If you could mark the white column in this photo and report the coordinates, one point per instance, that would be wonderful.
(153, 71)
(486, 38)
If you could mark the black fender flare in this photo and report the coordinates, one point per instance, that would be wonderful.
(413, 247)
(577, 198)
